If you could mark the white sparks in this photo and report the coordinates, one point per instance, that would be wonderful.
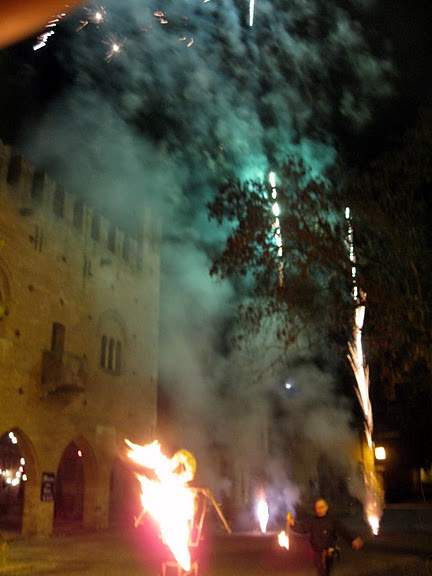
(42, 39)
(94, 16)
(276, 225)
(251, 12)
(283, 540)
(263, 514)
(115, 47)
(373, 490)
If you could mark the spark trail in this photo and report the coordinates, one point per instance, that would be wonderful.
(251, 12)
(373, 503)
(356, 355)
(276, 225)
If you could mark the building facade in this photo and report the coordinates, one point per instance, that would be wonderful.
(79, 317)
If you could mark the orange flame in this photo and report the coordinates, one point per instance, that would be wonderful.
(167, 498)
(283, 540)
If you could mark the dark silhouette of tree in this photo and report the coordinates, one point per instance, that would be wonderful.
(392, 207)
(305, 291)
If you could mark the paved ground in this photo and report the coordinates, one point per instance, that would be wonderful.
(403, 548)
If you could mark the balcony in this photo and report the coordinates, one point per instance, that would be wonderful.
(65, 373)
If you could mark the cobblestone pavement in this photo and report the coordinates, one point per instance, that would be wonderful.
(403, 548)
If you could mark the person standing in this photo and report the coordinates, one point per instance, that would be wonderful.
(323, 531)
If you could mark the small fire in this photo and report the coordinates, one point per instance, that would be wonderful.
(166, 496)
(283, 540)
(374, 523)
(263, 514)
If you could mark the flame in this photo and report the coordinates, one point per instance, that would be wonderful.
(374, 523)
(263, 514)
(166, 497)
(283, 540)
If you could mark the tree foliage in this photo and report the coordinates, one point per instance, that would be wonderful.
(391, 207)
(306, 289)
(391, 204)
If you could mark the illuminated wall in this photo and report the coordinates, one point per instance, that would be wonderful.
(79, 327)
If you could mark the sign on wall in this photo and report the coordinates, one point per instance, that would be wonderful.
(47, 486)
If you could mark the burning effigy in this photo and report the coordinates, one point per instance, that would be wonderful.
(178, 509)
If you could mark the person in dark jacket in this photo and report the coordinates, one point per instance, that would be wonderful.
(323, 531)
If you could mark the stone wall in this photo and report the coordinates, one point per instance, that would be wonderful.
(79, 318)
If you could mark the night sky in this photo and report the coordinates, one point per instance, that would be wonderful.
(196, 95)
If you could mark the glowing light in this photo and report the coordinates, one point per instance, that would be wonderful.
(13, 438)
(276, 225)
(42, 39)
(373, 490)
(99, 16)
(263, 514)
(115, 47)
(251, 12)
(95, 16)
(380, 453)
(283, 540)
(356, 356)
(374, 522)
(79, 454)
(166, 496)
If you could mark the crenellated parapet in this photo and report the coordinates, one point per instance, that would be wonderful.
(35, 192)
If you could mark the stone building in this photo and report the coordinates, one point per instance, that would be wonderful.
(79, 317)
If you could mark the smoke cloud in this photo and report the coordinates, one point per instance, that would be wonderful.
(195, 95)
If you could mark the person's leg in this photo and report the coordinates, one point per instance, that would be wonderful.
(320, 561)
(328, 563)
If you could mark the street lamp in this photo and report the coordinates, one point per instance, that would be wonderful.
(380, 453)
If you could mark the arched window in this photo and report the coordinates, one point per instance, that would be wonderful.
(113, 342)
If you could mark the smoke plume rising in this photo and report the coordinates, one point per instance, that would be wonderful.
(194, 96)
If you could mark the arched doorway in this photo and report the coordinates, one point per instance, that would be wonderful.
(17, 471)
(76, 487)
(69, 488)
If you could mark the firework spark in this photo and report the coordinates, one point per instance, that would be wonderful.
(115, 47)
(373, 490)
(276, 225)
(94, 16)
(262, 513)
(43, 38)
(251, 12)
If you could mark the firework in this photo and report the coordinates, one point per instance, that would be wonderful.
(373, 489)
(43, 38)
(276, 224)
(94, 16)
(251, 12)
(115, 47)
